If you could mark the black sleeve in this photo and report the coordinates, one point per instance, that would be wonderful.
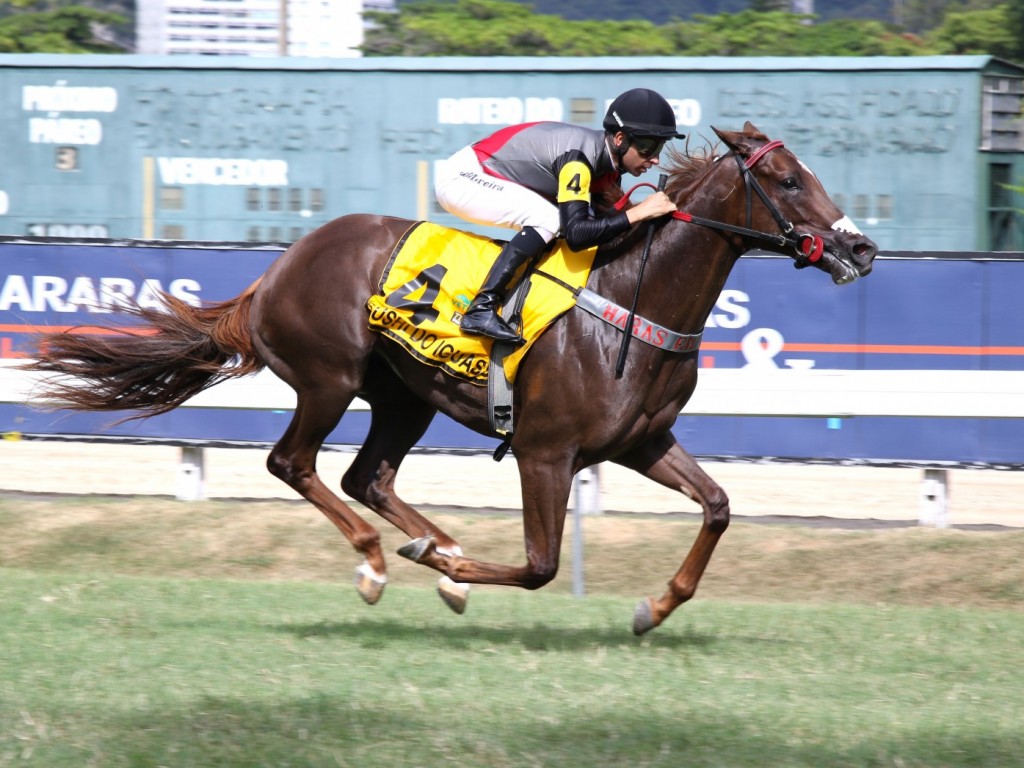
(580, 226)
(582, 229)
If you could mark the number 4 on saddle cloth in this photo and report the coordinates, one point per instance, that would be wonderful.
(430, 280)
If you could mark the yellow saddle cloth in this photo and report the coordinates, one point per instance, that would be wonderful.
(430, 280)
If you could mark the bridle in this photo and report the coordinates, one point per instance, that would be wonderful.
(808, 248)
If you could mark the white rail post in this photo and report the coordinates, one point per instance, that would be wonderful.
(191, 474)
(588, 502)
(588, 490)
(934, 489)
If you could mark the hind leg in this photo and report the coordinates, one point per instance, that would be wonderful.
(546, 482)
(398, 421)
(293, 460)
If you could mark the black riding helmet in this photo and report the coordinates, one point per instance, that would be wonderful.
(642, 113)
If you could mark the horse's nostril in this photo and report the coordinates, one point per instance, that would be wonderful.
(865, 249)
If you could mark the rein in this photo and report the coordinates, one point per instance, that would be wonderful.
(624, 347)
(808, 248)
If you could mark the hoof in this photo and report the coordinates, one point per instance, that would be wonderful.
(369, 584)
(454, 594)
(417, 549)
(643, 618)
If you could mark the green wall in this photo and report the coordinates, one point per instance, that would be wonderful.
(240, 149)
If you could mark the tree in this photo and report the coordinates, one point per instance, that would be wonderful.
(748, 33)
(506, 28)
(500, 28)
(766, 6)
(1015, 17)
(56, 29)
(977, 32)
(784, 34)
(1019, 191)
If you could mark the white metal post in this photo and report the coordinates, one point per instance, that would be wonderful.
(191, 474)
(934, 489)
(585, 484)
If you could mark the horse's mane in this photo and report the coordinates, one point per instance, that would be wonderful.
(683, 167)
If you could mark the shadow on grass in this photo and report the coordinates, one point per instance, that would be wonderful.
(535, 637)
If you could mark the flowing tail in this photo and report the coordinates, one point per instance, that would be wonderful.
(152, 367)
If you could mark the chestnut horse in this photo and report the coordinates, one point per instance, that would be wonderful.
(306, 320)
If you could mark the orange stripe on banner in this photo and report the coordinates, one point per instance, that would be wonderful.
(875, 349)
(89, 330)
(707, 346)
(905, 349)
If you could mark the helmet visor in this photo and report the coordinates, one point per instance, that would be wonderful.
(647, 146)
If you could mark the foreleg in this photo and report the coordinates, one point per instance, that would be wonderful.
(664, 461)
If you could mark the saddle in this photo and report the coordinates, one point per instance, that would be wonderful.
(430, 280)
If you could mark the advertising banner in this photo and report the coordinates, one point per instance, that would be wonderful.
(915, 312)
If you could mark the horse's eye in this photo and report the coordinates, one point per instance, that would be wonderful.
(790, 183)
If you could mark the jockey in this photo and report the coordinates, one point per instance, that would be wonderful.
(539, 178)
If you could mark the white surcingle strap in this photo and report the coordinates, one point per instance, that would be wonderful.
(643, 330)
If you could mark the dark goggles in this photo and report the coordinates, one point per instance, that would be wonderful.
(647, 147)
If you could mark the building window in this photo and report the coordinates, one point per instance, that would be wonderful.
(172, 232)
(274, 234)
(316, 199)
(294, 233)
(1002, 104)
(1005, 227)
(274, 199)
(840, 200)
(252, 199)
(582, 111)
(294, 199)
(861, 207)
(883, 206)
(999, 182)
(252, 235)
(172, 198)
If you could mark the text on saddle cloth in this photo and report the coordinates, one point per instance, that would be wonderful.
(431, 278)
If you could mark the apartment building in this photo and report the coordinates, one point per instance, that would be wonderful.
(307, 28)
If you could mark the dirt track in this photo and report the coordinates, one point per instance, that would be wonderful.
(856, 493)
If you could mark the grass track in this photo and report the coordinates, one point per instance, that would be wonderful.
(138, 633)
(630, 556)
(117, 671)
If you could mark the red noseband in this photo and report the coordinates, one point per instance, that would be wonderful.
(812, 247)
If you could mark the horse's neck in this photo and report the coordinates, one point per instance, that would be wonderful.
(685, 272)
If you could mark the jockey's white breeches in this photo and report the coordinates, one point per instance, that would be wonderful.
(465, 190)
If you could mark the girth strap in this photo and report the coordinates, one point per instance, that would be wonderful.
(643, 329)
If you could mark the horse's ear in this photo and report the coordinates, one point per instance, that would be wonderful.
(743, 142)
(729, 138)
(749, 129)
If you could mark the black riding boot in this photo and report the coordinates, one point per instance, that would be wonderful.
(481, 319)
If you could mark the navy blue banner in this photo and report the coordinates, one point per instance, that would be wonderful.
(911, 313)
